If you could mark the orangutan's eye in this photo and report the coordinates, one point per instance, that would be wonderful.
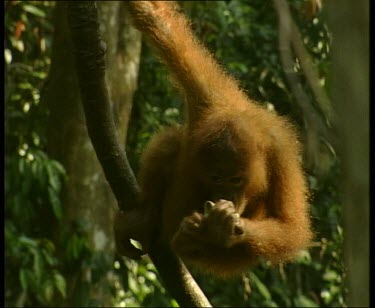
(236, 180)
(216, 179)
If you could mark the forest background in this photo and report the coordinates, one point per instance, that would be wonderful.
(59, 248)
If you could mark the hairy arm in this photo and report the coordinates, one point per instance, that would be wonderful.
(193, 67)
(285, 229)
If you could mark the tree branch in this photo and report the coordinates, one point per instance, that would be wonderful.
(287, 60)
(315, 124)
(311, 74)
(90, 66)
(307, 65)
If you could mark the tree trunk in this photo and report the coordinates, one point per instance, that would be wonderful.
(349, 22)
(122, 56)
(87, 195)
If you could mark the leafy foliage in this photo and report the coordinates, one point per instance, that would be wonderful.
(33, 181)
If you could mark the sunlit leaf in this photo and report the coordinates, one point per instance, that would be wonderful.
(34, 10)
(23, 278)
(27, 241)
(303, 301)
(133, 285)
(20, 45)
(48, 291)
(40, 75)
(60, 284)
(330, 275)
(8, 56)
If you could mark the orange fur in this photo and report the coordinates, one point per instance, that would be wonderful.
(253, 153)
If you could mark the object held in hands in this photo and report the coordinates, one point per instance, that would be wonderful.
(208, 206)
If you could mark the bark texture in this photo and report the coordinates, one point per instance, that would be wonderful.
(87, 195)
(349, 22)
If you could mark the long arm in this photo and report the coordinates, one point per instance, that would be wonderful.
(195, 70)
(285, 227)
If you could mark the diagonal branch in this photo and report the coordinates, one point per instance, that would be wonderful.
(90, 66)
(304, 57)
(311, 74)
(287, 60)
(289, 36)
(316, 127)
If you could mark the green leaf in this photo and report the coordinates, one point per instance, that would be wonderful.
(133, 285)
(330, 275)
(25, 86)
(40, 75)
(261, 287)
(303, 301)
(55, 202)
(74, 247)
(48, 291)
(34, 168)
(34, 10)
(53, 178)
(37, 264)
(27, 241)
(23, 278)
(60, 284)
(50, 260)
(270, 303)
(15, 97)
(21, 165)
(48, 245)
(59, 167)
